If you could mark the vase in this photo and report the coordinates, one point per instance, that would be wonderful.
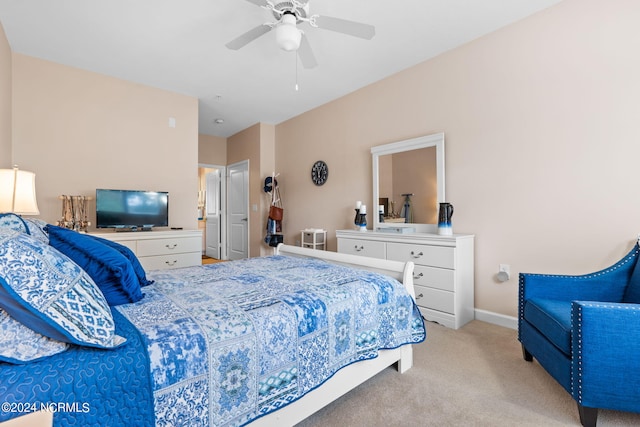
(444, 219)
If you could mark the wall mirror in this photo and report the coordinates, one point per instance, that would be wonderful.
(408, 182)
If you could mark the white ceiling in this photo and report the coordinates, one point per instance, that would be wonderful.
(179, 45)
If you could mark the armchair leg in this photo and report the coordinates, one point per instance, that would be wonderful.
(588, 416)
(527, 356)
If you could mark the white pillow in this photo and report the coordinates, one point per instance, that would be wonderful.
(48, 293)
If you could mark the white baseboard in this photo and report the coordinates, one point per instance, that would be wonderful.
(497, 319)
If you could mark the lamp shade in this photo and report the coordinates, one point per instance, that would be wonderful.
(18, 192)
(288, 36)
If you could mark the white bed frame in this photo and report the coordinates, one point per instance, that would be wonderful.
(355, 374)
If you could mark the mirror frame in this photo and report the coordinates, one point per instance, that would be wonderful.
(433, 140)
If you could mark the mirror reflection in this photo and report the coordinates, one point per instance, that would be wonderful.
(408, 183)
(408, 189)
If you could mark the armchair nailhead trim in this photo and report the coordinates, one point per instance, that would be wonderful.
(578, 356)
(576, 386)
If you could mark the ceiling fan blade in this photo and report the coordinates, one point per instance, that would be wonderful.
(248, 37)
(262, 3)
(352, 28)
(305, 53)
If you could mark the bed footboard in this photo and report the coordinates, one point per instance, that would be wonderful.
(402, 271)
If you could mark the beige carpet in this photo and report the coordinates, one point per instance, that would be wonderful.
(474, 376)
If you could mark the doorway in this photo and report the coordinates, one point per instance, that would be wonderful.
(211, 208)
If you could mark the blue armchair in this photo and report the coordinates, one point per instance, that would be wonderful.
(585, 331)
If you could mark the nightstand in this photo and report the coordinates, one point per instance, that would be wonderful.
(314, 238)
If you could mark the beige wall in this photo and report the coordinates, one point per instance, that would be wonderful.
(5, 101)
(80, 131)
(539, 120)
(542, 143)
(212, 150)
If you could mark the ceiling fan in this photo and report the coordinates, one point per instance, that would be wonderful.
(289, 37)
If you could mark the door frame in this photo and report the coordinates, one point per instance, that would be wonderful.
(223, 206)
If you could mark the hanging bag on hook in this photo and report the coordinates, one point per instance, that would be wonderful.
(275, 211)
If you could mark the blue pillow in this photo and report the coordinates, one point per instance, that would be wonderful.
(19, 344)
(50, 294)
(108, 268)
(128, 254)
(37, 229)
(32, 226)
(14, 222)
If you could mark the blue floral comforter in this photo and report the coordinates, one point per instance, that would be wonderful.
(220, 345)
(233, 341)
(84, 386)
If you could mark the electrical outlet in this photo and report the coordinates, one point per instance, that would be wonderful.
(503, 273)
(504, 267)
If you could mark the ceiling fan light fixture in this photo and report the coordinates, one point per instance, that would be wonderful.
(288, 36)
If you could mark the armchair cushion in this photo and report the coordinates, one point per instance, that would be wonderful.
(553, 319)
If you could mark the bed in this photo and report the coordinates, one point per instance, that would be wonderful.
(263, 342)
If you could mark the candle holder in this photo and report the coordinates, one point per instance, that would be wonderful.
(363, 218)
(356, 220)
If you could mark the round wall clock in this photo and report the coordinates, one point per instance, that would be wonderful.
(319, 172)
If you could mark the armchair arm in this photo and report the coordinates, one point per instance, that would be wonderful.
(605, 348)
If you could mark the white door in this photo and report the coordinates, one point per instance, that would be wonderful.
(238, 210)
(214, 224)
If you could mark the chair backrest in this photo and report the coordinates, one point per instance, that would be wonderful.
(632, 291)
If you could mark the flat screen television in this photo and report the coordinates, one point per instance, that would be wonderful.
(131, 209)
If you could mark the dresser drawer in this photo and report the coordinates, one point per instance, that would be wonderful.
(435, 256)
(435, 299)
(362, 247)
(131, 244)
(163, 262)
(443, 268)
(168, 246)
(434, 277)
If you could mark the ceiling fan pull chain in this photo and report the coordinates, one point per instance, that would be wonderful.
(295, 58)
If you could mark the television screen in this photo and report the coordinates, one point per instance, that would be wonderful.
(131, 209)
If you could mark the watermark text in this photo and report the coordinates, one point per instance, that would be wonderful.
(18, 407)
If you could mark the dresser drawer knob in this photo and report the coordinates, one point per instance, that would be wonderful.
(418, 255)
(417, 276)
(358, 249)
(171, 246)
(171, 263)
(419, 296)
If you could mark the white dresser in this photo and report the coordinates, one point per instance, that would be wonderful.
(158, 250)
(444, 268)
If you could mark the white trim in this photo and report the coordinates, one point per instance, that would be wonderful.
(497, 319)
(223, 206)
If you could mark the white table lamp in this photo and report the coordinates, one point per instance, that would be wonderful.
(18, 192)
